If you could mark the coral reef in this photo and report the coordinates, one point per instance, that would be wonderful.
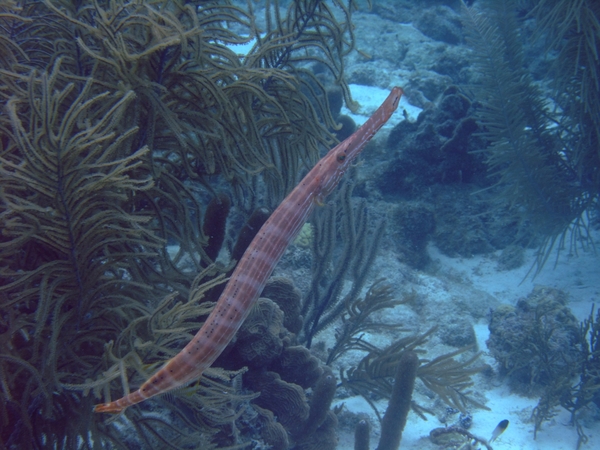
(272, 432)
(135, 143)
(437, 148)
(444, 375)
(344, 245)
(536, 341)
(413, 225)
(438, 169)
(371, 379)
(441, 23)
(512, 142)
(538, 163)
(362, 435)
(585, 390)
(544, 352)
(283, 292)
(456, 437)
(121, 121)
(283, 373)
(394, 419)
(305, 237)
(259, 341)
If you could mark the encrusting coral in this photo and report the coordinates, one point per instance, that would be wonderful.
(283, 373)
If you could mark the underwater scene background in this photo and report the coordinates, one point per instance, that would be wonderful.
(441, 298)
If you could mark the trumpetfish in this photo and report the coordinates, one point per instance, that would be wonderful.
(257, 263)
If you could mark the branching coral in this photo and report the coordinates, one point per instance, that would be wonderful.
(121, 120)
(586, 390)
(543, 162)
(444, 375)
(541, 348)
(69, 176)
(572, 30)
(324, 302)
(356, 321)
(536, 341)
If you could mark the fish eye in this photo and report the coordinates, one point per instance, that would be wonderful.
(341, 157)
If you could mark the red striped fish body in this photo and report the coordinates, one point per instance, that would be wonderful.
(256, 265)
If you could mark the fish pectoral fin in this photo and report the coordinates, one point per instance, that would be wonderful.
(110, 408)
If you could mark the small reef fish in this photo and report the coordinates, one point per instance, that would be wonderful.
(256, 265)
(503, 425)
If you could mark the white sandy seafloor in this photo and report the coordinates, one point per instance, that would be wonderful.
(577, 275)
